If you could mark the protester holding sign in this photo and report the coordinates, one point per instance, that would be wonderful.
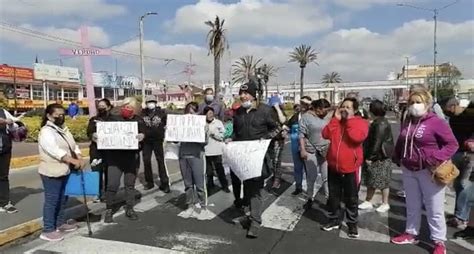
(123, 162)
(155, 122)
(253, 122)
(191, 164)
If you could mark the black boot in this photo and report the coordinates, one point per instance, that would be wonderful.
(109, 216)
(297, 191)
(131, 214)
(165, 188)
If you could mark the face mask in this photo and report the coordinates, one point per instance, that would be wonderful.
(102, 111)
(322, 116)
(209, 120)
(151, 105)
(247, 104)
(58, 121)
(126, 113)
(209, 98)
(417, 109)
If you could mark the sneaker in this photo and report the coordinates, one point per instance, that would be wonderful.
(401, 194)
(297, 192)
(252, 232)
(52, 236)
(149, 186)
(238, 204)
(404, 238)
(226, 189)
(352, 231)
(8, 208)
(466, 234)
(383, 208)
(165, 188)
(188, 212)
(131, 214)
(366, 205)
(109, 216)
(331, 226)
(457, 223)
(439, 248)
(67, 228)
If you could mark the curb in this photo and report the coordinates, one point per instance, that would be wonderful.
(16, 232)
(27, 162)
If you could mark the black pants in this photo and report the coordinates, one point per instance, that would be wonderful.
(5, 159)
(215, 163)
(157, 148)
(114, 175)
(102, 169)
(253, 189)
(236, 186)
(343, 186)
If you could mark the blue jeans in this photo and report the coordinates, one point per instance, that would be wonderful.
(462, 185)
(465, 199)
(54, 202)
(298, 163)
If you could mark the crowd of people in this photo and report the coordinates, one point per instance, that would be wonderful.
(339, 144)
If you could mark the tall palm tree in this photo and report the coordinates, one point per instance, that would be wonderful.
(331, 78)
(244, 69)
(217, 44)
(303, 55)
(267, 71)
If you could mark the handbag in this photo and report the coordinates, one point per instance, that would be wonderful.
(91, 184)
(445, 173)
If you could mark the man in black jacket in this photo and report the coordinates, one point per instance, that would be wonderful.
(155, 122)
(253, 122)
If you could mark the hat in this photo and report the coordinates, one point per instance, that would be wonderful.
(250, 88)
(150, 98)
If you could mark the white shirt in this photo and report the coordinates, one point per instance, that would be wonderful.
(47, 141)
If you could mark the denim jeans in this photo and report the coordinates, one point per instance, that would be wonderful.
(54, 202)
(462, 184)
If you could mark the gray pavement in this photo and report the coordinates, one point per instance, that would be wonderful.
(21, 149)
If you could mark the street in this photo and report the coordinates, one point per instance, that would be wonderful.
(287, 227)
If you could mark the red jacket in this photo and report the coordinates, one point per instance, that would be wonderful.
(345, 153)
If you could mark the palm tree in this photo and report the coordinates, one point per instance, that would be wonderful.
(267, 71)
(303, 55)
(331, 78)
(244, 69)
(217, 44)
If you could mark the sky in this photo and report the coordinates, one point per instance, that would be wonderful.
(363, 40)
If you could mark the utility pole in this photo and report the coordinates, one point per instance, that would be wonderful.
(406, 72)
(14, 91)
(142, 64)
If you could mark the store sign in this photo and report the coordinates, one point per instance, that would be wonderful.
(16, 72)
(56, 73)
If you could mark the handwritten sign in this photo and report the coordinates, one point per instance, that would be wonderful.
(245, 158)
(186, 128)
(117, 135)
(171, 151)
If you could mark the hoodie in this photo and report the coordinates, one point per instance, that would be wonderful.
(424, 143)
(345, 153)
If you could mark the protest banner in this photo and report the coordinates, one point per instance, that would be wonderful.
(171, 151)
(117, 135)
(245, 158)
(186, 128)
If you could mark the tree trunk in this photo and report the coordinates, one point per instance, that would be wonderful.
(217, 74)
(301, 82)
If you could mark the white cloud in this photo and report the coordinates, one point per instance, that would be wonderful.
(97, 36)
(25, 10)
(254, 18)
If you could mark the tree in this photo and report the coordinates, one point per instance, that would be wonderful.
(447, 77)
(244, 69)
(331, 78)
(217, 43)
(267, 71)
(303, 55)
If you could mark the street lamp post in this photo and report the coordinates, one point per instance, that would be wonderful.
(142, 64)
(435, 12)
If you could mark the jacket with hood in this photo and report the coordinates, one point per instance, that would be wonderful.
(424, 143)
(345, 153)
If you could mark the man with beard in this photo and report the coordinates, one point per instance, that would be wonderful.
(253, 122)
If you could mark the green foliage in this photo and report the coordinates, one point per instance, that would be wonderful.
(77, 127)
(3, 101)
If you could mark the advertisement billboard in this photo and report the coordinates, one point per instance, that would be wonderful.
(56, 73)
(16, 72)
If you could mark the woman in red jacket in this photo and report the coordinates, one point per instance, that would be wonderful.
(346, 131)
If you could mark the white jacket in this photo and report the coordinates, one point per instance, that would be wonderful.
(215, 145)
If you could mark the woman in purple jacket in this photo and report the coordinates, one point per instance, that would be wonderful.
(424, 143)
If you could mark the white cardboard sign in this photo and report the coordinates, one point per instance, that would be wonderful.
(117, 135)
(186, 128)
(245, 158)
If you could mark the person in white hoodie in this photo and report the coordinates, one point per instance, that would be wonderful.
(214, 151)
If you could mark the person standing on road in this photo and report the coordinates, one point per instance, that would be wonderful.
(378, 152)
(424, 143)
(346, 131)
(214, 151)
(155, 123)
(278, 143)
(253, 122)
(210, 100)
(313, 148)
(123, 162)
(7, 122)
(293, 125)
(59, 154)
(193, 171)
(96, 157)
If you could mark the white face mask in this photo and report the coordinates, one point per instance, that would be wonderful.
(417, 109)
(247, 104)
(151, 105)
(209, 97)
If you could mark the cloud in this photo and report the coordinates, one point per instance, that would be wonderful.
(254, 18)
(97, 36)
(25, 10)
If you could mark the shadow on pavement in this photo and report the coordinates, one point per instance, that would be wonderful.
(19, 193)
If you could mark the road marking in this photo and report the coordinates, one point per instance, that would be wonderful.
(190, 242)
